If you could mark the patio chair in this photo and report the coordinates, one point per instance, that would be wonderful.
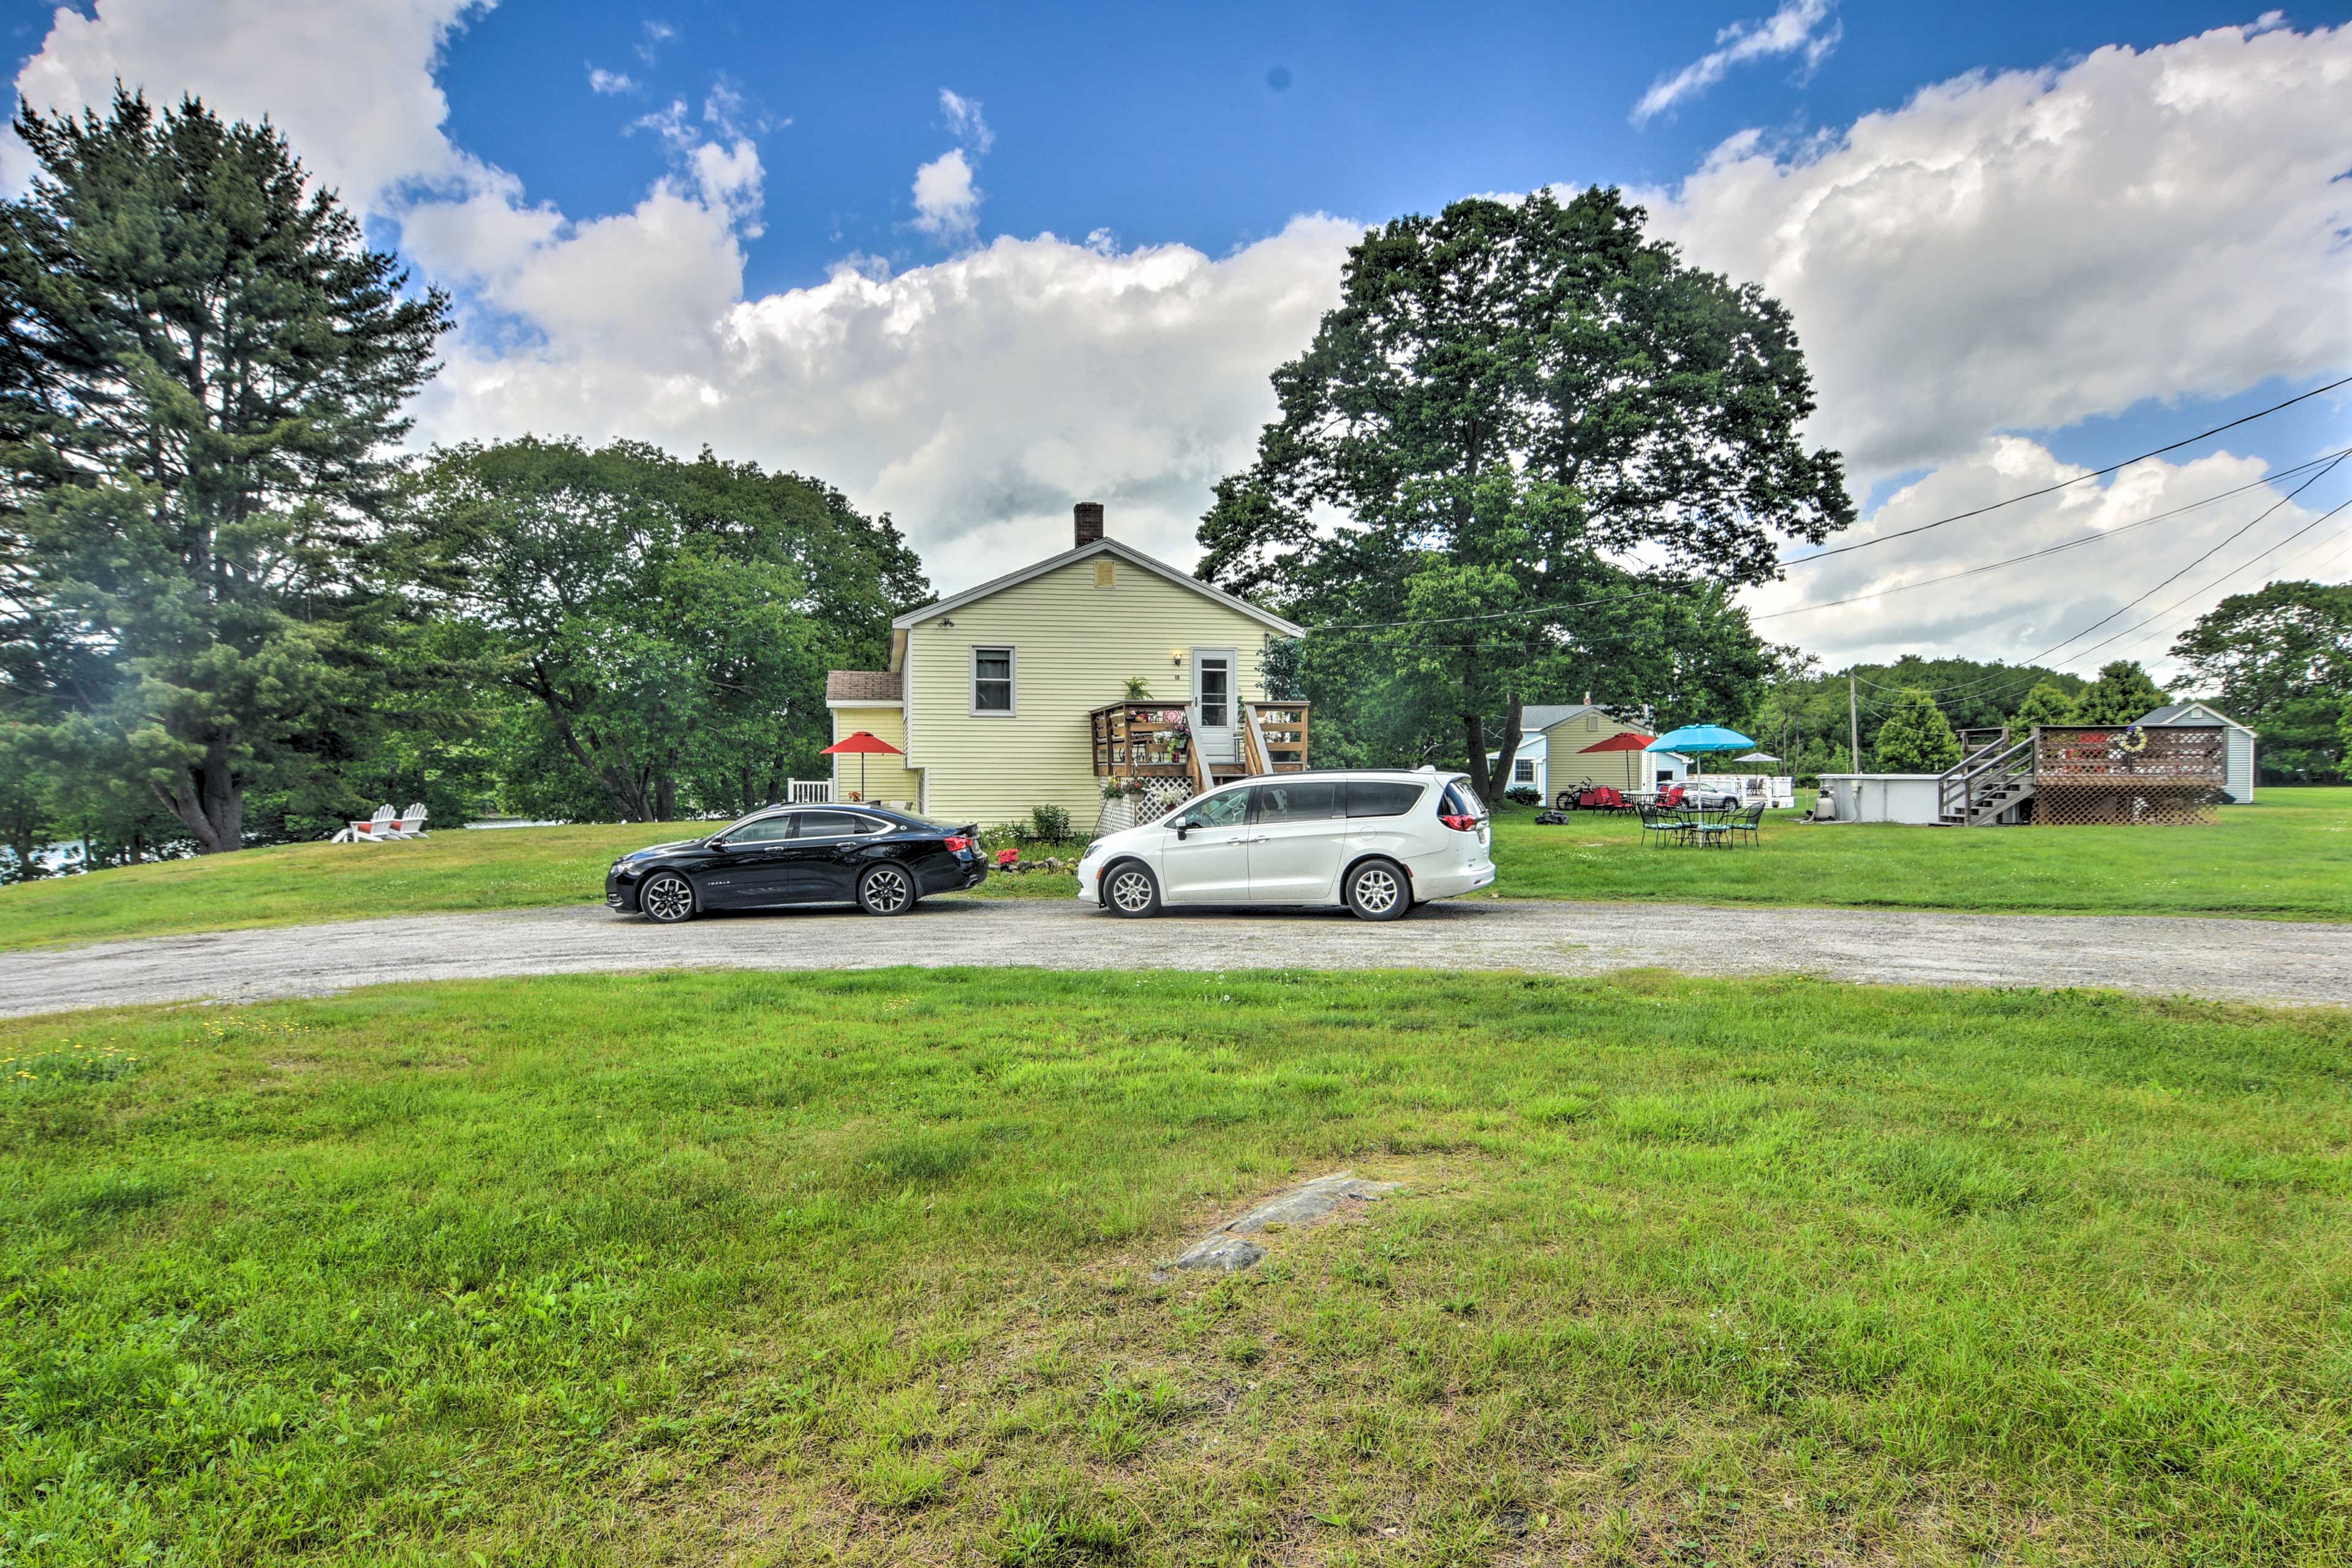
(1665, 826)
(410, 824)
(376, 829)
(1748, 822)
(1706, 833)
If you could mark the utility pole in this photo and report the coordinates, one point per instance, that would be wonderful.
(1854, 723)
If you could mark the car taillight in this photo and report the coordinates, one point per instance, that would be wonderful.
(1460, 823)
(956, 844)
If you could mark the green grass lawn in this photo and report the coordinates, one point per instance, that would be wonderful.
(501, 869)
(785, 1270)
(2288, 857)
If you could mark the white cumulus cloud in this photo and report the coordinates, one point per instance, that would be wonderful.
(2029, 250)
(947, 203)
(2001, 253)
(1798, 26)
(604, 81)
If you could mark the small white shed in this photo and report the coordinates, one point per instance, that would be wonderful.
(2238, 779)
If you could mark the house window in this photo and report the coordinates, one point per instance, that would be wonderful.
(991, 680)
(1523, 771)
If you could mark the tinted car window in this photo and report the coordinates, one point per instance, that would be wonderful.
(837, 824)
(1380, 797)
(766, 830)
(1460, 800)
(1307, 800)
(1225, 810)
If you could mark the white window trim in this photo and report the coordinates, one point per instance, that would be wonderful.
(1011, 652)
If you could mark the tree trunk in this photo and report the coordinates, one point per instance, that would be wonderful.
(211, 803)
(1489, 782)
(664, 799)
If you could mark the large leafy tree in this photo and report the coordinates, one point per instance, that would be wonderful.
(1916, 737)
(202, 371)
(2121, 695)
(1525, 420)
(2047, 703)
(664, 627)
(2280, 659)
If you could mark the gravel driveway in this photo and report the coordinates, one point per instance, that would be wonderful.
(2261, 961)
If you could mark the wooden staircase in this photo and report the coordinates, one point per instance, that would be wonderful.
(1988, 782)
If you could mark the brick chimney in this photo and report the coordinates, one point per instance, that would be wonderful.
(1088, 516)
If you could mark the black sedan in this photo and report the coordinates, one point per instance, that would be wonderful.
(882, 861)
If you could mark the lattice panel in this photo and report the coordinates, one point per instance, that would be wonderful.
(2084, 806)
(1159, 797)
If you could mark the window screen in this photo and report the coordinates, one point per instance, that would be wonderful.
(1380, 797)
(1309, 800)
(991, 680)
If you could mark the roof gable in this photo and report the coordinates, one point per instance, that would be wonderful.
(1112, 547)
(1540, 716)
(2175, 712)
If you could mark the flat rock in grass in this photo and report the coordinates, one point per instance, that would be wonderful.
(1224, 1248)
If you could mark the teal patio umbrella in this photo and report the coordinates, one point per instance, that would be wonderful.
(1696, 740)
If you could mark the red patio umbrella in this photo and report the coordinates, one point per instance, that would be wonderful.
(1625, 742)
(865, 743)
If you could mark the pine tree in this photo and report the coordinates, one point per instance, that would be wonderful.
(2121, 695)
(2047, 703)
(1915, 738)
(202, 371)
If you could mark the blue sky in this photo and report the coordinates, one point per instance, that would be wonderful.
(2091, 227)
(1161, 123)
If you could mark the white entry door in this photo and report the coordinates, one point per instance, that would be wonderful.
(1213, 712)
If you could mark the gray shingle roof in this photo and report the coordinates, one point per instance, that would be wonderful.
(861, 686)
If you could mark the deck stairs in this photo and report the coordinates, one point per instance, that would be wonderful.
(1987, 782)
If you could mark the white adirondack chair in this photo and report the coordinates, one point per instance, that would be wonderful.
(374, 830)
(410, 824)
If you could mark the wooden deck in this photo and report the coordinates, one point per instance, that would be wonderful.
(1139, 741)
(2059, 775)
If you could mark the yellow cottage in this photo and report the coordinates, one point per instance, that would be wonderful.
(1016, 693)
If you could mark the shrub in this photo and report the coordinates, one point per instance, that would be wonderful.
(1049, 824)
(1524, 794)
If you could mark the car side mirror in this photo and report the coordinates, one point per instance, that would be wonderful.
(1182, 827)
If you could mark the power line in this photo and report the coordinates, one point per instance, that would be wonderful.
(1861, 544)
(2290, 539)
(2120, 609)
(2064, 484)
(2052, 550)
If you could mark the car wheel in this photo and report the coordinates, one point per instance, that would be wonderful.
(886, 891)
(1377, 891)
(666, 899)
(1131, 890)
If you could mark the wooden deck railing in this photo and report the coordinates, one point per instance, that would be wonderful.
(1281, 729)
(2186, 754)
(1137, 740)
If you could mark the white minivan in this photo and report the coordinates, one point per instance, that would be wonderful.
(1378, 841)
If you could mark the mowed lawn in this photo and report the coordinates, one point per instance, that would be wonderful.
(2289, 856)
(2286, 856)
(784, 1269)
(446, 872)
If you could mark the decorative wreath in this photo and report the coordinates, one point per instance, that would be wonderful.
(2132, 742)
